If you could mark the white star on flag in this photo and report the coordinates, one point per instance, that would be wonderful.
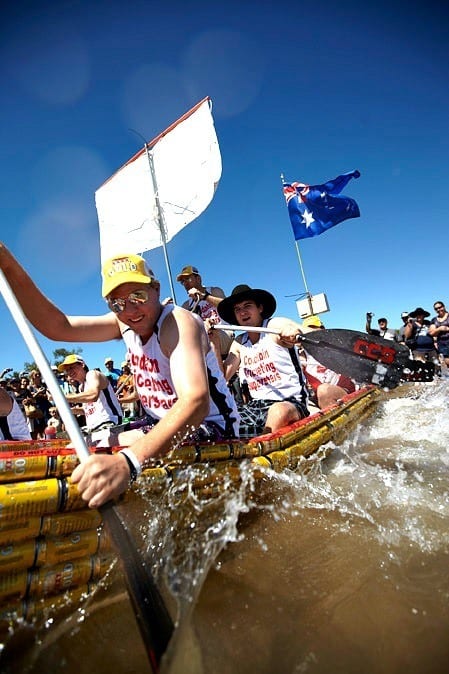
(307, 217)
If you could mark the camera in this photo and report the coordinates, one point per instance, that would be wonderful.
(369, 314)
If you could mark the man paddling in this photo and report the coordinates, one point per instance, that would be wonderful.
(95, 397)
(267, 363)
(179, 382)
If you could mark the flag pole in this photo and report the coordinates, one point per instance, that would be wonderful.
(307, 293)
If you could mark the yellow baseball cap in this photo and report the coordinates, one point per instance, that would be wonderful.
(312, 322)
(70, 360)
(124, 269)
(187, 271)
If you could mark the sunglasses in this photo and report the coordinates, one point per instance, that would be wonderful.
(135, 298)
(439, 307)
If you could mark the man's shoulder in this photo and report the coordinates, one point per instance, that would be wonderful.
(216, 291)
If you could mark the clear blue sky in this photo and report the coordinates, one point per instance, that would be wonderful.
(308, 89)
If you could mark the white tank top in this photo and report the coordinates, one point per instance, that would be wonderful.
(16, 424)
(269, 371)
(105, 408)
(154, 383)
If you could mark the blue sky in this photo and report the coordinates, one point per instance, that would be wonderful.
(309, 90)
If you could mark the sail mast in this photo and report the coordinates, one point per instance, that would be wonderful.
(160, 221)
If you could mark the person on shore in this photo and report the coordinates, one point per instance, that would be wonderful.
(439, 330)
(266, 362)
(55, 420)
(13, 425)
(325, 386)
(95, 395)
(178, 379)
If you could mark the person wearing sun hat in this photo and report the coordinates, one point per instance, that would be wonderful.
(267, 363)
(417, 337)
(181, 388)
(95, 397)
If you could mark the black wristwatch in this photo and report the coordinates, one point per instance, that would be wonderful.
(132, 469)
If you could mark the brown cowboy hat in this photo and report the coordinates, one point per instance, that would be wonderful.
(243, 292)
(419, 311)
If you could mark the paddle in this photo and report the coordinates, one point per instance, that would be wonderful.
(154, 621)
(365, 358)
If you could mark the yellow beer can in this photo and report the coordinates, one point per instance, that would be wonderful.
(60, 524)
(20, 500)
(12, 531)
(17, 556)
(53, 580)
(17, 466)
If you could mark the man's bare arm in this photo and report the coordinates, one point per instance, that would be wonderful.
(46, 316)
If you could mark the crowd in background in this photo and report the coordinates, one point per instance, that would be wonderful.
(36, 403)
(428, 340)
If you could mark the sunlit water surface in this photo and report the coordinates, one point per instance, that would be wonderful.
(341, 567)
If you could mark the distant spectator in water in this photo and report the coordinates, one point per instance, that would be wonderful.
(383, 330)
(417, 336)
(439, 330)
(401, 332)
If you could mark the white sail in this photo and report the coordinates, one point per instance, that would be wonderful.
(186, 170)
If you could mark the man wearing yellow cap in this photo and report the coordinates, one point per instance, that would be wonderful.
(95, 394)
(180, 385)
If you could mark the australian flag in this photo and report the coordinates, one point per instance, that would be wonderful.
(315, 208)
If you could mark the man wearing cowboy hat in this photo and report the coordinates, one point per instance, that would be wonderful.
(417, 338)
(267, 363)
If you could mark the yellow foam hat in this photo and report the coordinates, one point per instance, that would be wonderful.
(70, 360)
(124, 269)
(312, 322)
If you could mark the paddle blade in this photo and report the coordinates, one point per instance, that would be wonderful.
(154, 621)
(365, 358)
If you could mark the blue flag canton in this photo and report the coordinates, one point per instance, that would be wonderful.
(313, 209)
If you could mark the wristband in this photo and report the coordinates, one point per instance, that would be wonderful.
(134, 465)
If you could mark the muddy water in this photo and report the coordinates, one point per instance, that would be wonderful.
(343, 568)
